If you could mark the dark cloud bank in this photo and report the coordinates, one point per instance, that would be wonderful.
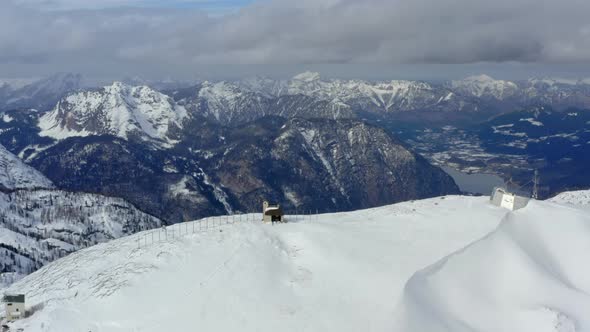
(277, 33)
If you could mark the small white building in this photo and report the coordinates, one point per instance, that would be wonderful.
(272, 212)
(511, 201)
(14, 306)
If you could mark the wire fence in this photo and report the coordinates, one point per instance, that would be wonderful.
(176, 231)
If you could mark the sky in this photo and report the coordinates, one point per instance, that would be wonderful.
(380, 39)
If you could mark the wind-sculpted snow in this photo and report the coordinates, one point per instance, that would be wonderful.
(15, 174)
(580, 198)
(528, 275)
(335, 272)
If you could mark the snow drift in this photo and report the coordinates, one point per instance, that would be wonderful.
(580, 198)
(528, 275)
(341, 272)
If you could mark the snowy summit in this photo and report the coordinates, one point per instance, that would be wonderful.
(119, 110)
(339, 272)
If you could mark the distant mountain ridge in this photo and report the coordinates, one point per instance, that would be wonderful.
(40, 94)
(257, 94)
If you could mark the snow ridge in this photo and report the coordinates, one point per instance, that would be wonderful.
(15, 174)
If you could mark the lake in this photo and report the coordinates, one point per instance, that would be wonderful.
(476, 183)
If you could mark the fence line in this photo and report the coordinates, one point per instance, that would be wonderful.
(175, 231)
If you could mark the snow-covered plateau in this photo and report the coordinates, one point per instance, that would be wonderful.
(335, 272)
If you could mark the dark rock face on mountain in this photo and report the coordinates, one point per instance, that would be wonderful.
(158, 181)
(324, 164)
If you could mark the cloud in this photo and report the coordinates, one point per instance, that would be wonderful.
(295, 32)
(60, 5)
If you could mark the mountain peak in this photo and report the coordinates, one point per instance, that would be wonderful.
(118, 109)
(307, 76)
(480, 78)
(485, 86)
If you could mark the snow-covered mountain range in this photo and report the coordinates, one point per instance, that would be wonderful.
(120, 109)
(485, 86)
(306, 94)
(340, 272)
(196, 134)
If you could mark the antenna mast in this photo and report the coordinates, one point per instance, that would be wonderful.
(536, 185)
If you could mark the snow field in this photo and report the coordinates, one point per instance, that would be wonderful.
(343, 272)
(528, 275)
